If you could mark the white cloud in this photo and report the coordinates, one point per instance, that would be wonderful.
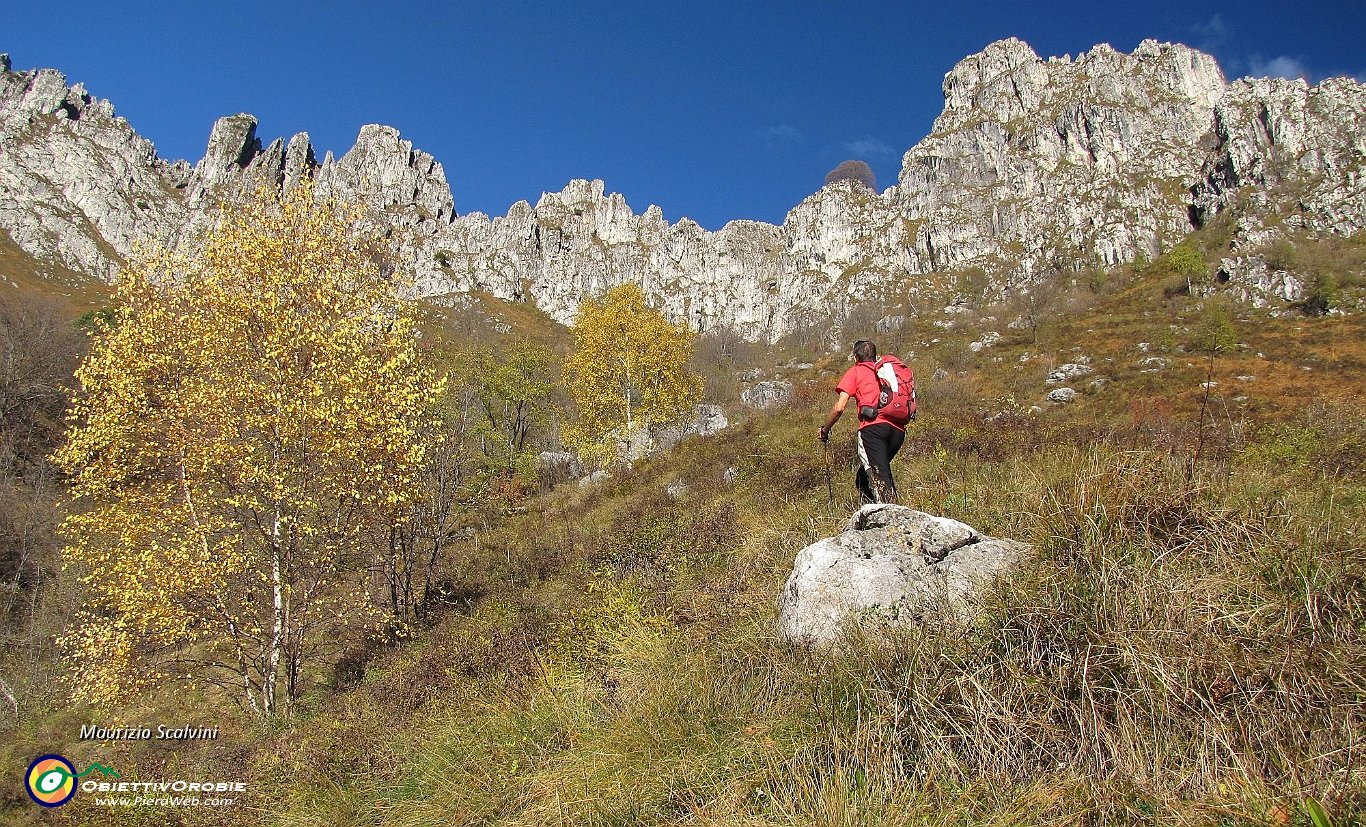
(1214, 33)
(868, 147)
(783, 133)
(1277, 67)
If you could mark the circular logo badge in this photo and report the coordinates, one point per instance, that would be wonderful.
(51, 780)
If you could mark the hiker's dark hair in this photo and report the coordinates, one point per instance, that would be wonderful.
(865, 351)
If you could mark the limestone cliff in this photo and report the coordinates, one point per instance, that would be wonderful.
(1035, 168)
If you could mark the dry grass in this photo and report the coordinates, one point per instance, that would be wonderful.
(1187, 645)
(1180, 650)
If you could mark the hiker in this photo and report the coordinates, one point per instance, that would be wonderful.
(884, 393)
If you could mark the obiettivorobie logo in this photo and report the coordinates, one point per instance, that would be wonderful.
(51, 779)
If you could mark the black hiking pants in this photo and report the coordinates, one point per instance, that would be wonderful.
(877, 444)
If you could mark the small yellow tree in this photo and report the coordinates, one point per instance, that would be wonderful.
(248, 414)
(629, 370)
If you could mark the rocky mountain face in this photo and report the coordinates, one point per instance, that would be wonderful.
(1035, 168)
(80, 188)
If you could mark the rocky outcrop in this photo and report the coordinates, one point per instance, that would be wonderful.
(1034, 168)
(403, 190)
(1273, 132)
(642, 442)
(1038, 163)
(1292, 158)
(78, 187)
(1067, 372)
(706, 420)
(769, 394)
(891, 565)
(81, 189)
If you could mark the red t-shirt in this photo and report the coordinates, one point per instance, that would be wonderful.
(860, 382)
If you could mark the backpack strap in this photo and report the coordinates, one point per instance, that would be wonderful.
(877, 383)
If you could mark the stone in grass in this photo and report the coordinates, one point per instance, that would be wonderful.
(766, 395)
(1067, 372)
(892, 565)
(1061, 395)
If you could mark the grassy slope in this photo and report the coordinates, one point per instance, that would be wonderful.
(22, 275)
(1185, 647)
(1181, 649)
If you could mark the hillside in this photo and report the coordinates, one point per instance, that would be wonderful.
(606, 655)
(1185, 645)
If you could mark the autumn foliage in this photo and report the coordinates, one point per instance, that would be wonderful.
(242, 422)
(629, 370)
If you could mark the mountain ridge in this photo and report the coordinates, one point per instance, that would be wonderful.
(1035, 170)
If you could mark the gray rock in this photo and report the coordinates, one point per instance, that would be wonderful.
(1062, 395)
(730, 475)
(559, 463)
(594, 478)
(705, 421)
(676, 490)
(764, 395)
(988, 339)
(1067, 372)
(889, 324)
(890, 565)
(232, 147)
(299, 161)
(1098, 383)
(1252, 280)
(640, 443)
(634, 445)
(1152, 364)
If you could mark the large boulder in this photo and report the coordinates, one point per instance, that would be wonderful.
(705, 421)
(558, 466)
(656, 439)
(890, 565)
(764, 395)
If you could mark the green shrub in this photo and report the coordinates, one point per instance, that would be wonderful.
(1323, 294)
(1181, 267)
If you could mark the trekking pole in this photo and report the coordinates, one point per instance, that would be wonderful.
(829, 470)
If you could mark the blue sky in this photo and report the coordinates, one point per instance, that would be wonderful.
(712, 110)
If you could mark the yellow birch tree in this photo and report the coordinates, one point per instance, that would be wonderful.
(249, 413)
(629, 371)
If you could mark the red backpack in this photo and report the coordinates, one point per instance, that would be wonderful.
(896, 402)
